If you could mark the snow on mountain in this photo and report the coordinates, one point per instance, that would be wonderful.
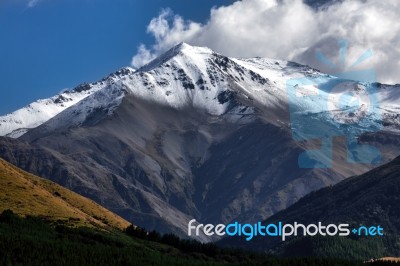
(196, 77)
(19, 122)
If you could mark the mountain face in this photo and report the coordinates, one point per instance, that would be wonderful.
(29, 195)
(195, 134)
(19, 122)
(370, 199)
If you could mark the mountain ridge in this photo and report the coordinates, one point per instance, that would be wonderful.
(17, 123)
(198, 135)
(199, 71)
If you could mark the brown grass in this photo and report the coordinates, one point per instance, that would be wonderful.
(26, 194)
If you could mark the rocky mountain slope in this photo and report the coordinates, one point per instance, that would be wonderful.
(195, 134)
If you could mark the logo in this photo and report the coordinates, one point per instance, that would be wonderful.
(345, 104)
(281, 230)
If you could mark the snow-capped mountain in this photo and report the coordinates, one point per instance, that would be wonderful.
(195, 134)
(183, 76)
(20, 121)
(197, 77)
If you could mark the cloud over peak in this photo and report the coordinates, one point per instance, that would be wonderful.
(290, 30)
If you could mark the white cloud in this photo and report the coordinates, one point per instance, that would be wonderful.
(289, 30)
(142, 57)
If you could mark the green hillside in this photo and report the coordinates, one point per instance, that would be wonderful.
(33, 241)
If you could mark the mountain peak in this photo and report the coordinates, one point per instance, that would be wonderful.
(182, 45)
(187, 48)
(180, 49)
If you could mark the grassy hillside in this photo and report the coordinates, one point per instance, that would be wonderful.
(32, 241)
(26, 194)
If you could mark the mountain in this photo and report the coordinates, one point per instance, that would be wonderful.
(370, 199)
(19, 122)
(195, 134)
(29, 195)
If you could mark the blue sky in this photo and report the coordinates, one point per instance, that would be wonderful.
(59, 44)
